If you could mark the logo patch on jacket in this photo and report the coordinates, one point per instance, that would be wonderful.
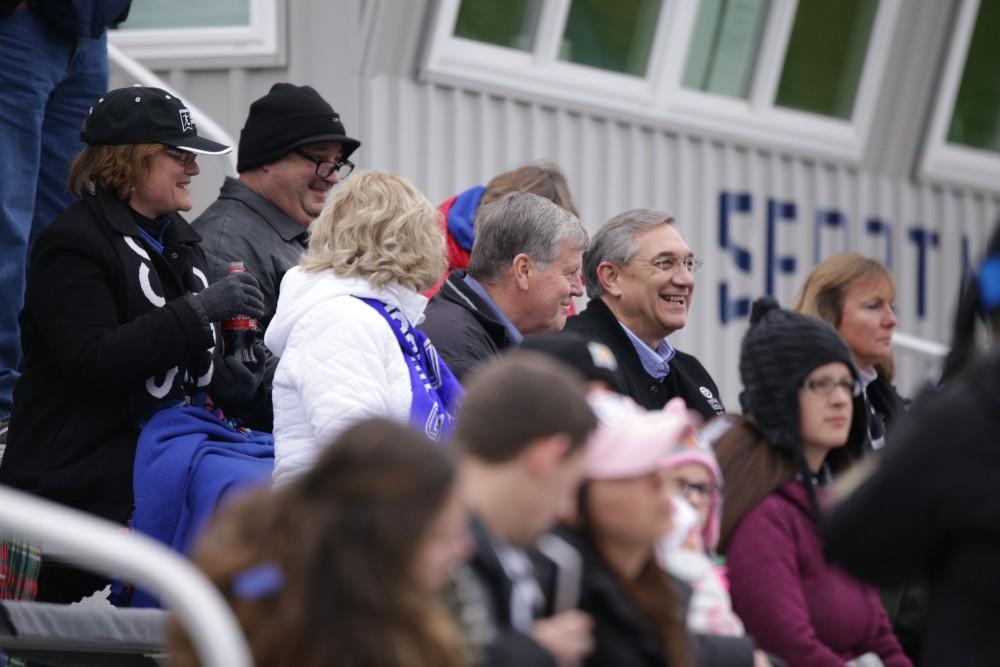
(713, 402)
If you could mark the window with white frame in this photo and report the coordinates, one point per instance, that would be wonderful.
(802, 74)
(198, 34)
(616, 37)
(823, 59)
(963, 143)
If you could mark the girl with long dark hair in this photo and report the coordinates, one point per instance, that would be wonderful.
(344, 565)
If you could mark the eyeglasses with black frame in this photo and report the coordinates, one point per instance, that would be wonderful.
(325, 168)
(671, 264)
(686, 488)
(186, 158)
(824, 386)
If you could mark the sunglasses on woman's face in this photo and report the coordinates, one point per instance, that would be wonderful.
(186, 158)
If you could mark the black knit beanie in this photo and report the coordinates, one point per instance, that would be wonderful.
(287, 117)
(779, 350)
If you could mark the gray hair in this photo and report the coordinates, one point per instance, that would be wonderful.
(615, 242)
(520, 222)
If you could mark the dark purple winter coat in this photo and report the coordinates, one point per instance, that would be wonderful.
(795, 604)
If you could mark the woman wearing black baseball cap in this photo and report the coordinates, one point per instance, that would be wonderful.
(118, 317)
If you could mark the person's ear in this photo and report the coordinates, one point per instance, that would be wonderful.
(545, 455)
(609, 276)
(569, 513)
(523, 267)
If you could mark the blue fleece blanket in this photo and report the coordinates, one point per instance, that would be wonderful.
(186, 461)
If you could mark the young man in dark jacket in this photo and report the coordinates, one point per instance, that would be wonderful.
(521, 436)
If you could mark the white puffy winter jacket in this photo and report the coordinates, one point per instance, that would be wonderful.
(339, 362)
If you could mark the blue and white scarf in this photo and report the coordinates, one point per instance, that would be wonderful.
(434, 388)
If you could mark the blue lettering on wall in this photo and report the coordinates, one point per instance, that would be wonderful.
(777, 211)
(730, 203)
(734, 305)
(923, 239)
(731, 309)
(879, 227)
(832, 219)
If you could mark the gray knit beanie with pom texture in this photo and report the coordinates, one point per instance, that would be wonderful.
(779, 350)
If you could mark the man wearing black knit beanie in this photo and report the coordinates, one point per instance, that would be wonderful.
(293, 150)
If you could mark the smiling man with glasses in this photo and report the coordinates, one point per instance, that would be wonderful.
(640, 276)
(293, 150)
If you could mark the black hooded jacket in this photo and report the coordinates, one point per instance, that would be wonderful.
(932, 510)
(462, 328)
(687, 377)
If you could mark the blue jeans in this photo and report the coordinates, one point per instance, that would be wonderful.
(48, 81)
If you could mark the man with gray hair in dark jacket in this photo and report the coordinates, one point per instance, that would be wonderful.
(522, 277)
(640, 280)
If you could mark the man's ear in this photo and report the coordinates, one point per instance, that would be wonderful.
(523, 267)
(544, 455)
(609, 276)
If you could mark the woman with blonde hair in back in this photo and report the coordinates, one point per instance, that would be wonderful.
(856, 296)
(459, 214)
(345, 325)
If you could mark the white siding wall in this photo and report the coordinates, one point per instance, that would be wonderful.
(446, 139)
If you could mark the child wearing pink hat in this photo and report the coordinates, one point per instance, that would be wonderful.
(625, 508)
(688, 552)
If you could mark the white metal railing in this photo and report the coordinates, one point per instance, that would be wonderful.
(920, 346)
(143, 75)
(928, 354)
(104, 547)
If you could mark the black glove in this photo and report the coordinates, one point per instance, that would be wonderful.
(235, 383)
(236, 294)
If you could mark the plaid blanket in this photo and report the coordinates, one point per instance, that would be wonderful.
(19, 566)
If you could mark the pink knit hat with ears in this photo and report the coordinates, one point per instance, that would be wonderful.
(631, 442)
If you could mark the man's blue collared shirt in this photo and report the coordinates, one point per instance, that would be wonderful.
(656, 362)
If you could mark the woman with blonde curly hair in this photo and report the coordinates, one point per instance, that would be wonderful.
(345, 326)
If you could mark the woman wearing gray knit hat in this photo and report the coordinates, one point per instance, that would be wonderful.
(805, 423)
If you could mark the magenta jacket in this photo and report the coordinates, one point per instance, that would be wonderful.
(795, 604)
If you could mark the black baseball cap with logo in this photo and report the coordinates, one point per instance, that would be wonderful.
(144, 115)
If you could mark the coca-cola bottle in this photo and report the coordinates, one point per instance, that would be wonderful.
(239, 333)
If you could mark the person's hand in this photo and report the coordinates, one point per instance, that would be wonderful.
(567, 636)
(760, 659)
(236, 383)
(236, 294)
